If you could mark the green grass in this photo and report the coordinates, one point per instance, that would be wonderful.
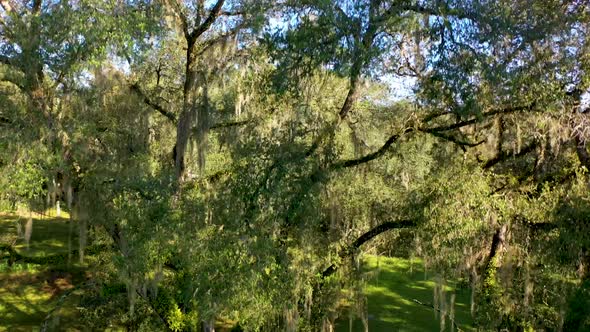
(391, 292)
(28, 291)
(49, 235)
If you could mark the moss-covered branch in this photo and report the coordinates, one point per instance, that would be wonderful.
(366, 237)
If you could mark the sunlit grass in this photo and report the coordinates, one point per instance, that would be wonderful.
(29, 291)
(49, 236)
(22, 306)
(392, 291)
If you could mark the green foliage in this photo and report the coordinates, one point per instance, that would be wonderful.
(26, 181)
(308, 153)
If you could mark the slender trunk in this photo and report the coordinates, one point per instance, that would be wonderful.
(69, 198)
(473, 283)
(582, 151)
(488, 307)
(82, 238)
(209, 326)
(29, 228)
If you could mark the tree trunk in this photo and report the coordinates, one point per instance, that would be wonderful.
(208, 326)
(29, 228)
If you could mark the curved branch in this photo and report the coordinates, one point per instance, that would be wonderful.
(371, 156)
(457, 141)
(6, 6)
(360, 60)
(230, 124)
(504, 155)
(171, 116)
(366, 237)
(6, 60)
(434, 12)
(215, 11)
(466, 123)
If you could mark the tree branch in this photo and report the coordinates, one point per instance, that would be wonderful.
(6, 6)
(212, 42)
(455, 140)
(465, 123)
(222, 125)
(371, 156)
(37, 6)
(433, 12)
(366, 237)
(171, 116)
(229, 13)
(192, 37)
(504, 155)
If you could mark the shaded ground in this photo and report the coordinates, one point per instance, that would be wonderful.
(393, 293)
(49, 235)
(29, 292)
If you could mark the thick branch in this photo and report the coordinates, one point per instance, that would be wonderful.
(466, 123)
(204, 47)
(229, 124)
(371, 156)
(504, 155)
(215, 11)
(457, 141)
(171, 116)
(6, 60)
(366, 237)
(37, 6)
(437, 12)
(362, 47)
(6, 6)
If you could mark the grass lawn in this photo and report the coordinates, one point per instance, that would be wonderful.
(29, 292)
(391, 292)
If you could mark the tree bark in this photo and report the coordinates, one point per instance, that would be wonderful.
(367, 236)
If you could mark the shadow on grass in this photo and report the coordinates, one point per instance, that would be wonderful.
(28, 291)
(390, 296)
(49, 236)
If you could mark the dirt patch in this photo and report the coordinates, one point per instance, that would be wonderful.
(57, 282)
(51, 281)
(13, 281)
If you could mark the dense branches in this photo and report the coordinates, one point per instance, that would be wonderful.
(294, 106)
